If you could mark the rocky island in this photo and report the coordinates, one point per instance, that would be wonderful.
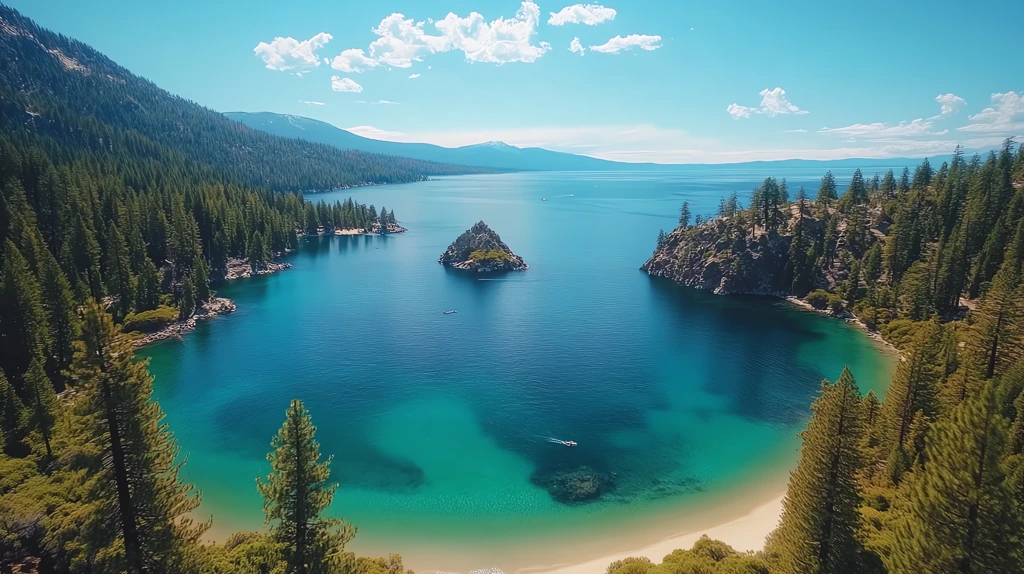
(480, 249)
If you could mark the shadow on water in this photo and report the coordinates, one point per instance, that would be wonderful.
(760, 372)
(259, 415)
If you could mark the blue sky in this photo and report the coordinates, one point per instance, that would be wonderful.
(665, 81)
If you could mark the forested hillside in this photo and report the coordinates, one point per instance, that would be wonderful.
(118, 202)
(931, 479)
(77, 98)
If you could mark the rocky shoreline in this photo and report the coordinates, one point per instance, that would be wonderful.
(215, 306)
(240, 269)
(710, 257)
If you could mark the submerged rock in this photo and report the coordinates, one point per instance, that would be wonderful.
(480, 249)
(578, 485)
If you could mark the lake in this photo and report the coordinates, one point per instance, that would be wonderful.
(686, 404)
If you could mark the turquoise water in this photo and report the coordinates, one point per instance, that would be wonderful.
(438, 423)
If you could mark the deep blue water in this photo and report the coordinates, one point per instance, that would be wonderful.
(439, 423)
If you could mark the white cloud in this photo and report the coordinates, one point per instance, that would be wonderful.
(374, 133)
(773, 103)
(880, 130)
(413, 76)
(737, 111)
(353, 60)
(344, 85)
(283, 54)
(618, 43)
(1005, 116)
(377, 103)
(310, 103)
(948, 104)
(796, 131)
(402, 42)
(500, 42)
(589, 14)
(576, 47)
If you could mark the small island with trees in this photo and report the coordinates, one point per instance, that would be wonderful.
(480, 249)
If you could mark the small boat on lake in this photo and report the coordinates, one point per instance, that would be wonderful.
(450, 311)
(543, 199)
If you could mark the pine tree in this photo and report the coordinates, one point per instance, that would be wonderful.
(13, 418)
(913, 390)
(958, 516)
(23, 334)
(820, 519)
(993, 342)
(187, 302)
(150, 504)
(295, 493)
(41, 403)
(684, 215)
(201, 281)
(62, 322)
(826, 193)
(148, 292)
(120, 282)
(258, 255)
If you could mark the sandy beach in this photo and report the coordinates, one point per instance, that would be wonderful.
(745, 533)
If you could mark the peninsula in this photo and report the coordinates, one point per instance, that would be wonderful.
(480, 249)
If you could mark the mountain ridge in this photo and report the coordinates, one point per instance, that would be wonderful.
(503, 156)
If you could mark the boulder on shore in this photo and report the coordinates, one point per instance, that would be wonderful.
(480, 249)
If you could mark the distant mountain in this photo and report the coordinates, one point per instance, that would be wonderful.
(501, 156)
(496, 155)
(63, 91)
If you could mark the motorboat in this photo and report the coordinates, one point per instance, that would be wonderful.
(450, 311)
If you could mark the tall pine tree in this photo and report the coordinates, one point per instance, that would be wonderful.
(295, 493)
(820, 518)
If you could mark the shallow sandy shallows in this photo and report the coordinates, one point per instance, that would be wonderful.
(745, 533)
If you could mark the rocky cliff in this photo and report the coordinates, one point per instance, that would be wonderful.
(480, 249)
(726, 256)
(710, 257)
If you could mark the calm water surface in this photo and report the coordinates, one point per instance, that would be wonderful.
(438, 423)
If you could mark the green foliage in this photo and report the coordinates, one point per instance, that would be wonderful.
(150, 321)
(496, 255)
(959, 515)
(821, 518)
(295, 493)
(819, 298)
(140, 477)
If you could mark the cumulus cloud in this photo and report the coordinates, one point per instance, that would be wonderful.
(311, 103)
(880, 130)
(413, 76)
(344, 85)
(402, 42)
(618, 43)
(589, 14)
(773, 103)
(1004, 116)
(949, 104)
(499, 42)
(576, 48)
(737, 111)
(353, 60)
(284, 54)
